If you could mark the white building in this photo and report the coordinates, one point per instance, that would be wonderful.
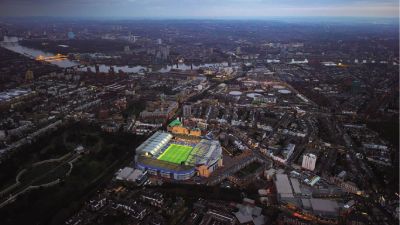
(309, 161)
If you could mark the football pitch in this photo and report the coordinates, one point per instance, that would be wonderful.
(176, 153)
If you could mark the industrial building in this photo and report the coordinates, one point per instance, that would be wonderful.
(290, 192)
(131, 175)
(284, 188)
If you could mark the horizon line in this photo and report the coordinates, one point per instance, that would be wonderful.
(210, 17)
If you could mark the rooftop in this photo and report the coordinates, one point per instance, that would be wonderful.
(283, 185)
(175, 123)
(324, 205)
(154, 143)
(164, 165)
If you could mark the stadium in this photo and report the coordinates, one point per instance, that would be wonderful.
(178, 157)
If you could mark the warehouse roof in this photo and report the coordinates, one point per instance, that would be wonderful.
(324, 205)
(124, 173)
(283, 185)
(295, 185)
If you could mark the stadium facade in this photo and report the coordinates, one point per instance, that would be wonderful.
(175, 157)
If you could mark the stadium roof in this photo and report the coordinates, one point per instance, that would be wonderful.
(163, 165)
(154, 143)
(206, 152)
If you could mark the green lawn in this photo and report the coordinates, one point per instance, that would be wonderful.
(176, 153)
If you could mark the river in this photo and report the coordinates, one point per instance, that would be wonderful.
(11, 43)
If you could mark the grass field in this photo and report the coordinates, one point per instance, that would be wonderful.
(175, 153)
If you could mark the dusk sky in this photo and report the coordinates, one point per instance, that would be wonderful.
(200, 8)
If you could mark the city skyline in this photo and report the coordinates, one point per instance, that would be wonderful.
(200, 9)
(199, 112)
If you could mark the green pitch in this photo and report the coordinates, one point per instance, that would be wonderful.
(176, 153)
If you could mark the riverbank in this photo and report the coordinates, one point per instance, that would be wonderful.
(13, 44)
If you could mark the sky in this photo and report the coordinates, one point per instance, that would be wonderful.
(200, 8)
